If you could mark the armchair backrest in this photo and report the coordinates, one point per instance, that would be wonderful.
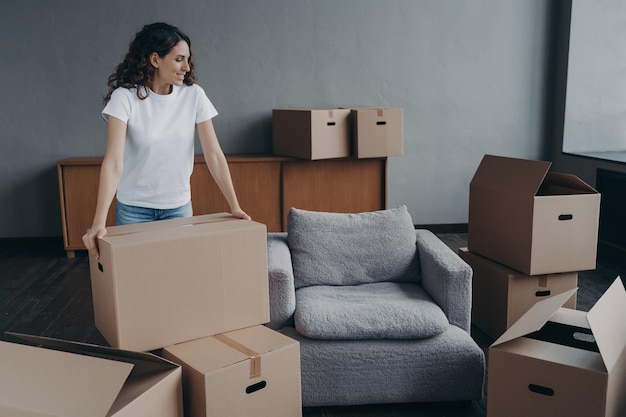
(352, 249)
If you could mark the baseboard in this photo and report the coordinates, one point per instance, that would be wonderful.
(444, 228)
(49, 245)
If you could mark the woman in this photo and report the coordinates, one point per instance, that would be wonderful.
(153, 109)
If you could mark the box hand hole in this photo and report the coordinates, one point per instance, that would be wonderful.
(584, 337)
(330, 123)
(563, 217)
(100, 267)
(256, 387)
(538, 389)
(381, 123)
(542, 293)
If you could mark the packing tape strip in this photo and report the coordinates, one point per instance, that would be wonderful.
(543, 281)
(255, 357)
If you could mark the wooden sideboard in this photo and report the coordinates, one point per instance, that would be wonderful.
(267, 187)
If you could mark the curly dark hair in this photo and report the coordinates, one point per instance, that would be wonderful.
(135, 70)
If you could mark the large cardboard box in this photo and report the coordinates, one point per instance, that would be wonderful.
(247, 372)
(377, 132)
(501, 295)
(54, 378)
(165, 282)
(532, 220)
(560, 362)
(311, 133)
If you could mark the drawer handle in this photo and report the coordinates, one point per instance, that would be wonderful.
(563, 217)
(256, 387)
(538, 389)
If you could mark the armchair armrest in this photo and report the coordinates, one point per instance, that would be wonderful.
(446, 277)
(281, 281)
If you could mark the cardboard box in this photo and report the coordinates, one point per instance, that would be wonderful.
(560, 362)
(165, 282)
(247, 372)
(59, 378)
(377, 132)
(311, 133)
(532, 220)
(501, 295)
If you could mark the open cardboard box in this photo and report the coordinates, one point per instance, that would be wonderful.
(246, 372)
(165, 282)
(501, 295)
(560, 362)
(532, 220)
(311, 133)
(44, 377)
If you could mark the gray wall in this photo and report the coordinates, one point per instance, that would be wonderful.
(470, 75)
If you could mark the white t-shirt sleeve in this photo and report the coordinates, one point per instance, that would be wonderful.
(205, 109)
(119, 105)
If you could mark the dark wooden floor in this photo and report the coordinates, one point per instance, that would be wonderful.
(44, 293)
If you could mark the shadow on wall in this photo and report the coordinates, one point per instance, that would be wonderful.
(39, 213)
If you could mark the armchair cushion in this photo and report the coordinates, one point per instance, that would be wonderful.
(384, 310)
(352, 249)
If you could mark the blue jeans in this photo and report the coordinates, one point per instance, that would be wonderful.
(125, 214)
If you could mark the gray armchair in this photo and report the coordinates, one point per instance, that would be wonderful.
(381, 310)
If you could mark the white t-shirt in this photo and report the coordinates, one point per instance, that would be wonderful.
(159, 146)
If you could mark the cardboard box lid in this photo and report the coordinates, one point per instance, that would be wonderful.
(525, 177)
(535, 318)
(59, 383)
(606, 321)
(510, 174)
(70, 379)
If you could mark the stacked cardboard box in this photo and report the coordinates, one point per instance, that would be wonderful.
(530, 232)
(186, 285)
(501, 295)
(248, 372)
(362, 132)
(171, 281)
(526, 224)
(194, 289)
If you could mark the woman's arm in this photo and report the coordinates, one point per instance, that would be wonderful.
(218, 167)
(110, 174)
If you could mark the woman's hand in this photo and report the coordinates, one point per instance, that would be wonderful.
(90, 239)
(240, 214)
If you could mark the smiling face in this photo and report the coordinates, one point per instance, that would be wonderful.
(170, 69)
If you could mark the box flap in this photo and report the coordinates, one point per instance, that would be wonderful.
(558, 183)
(57, 383)
(535, 317)
(606, 320)
(143, 362)
(510, 174)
